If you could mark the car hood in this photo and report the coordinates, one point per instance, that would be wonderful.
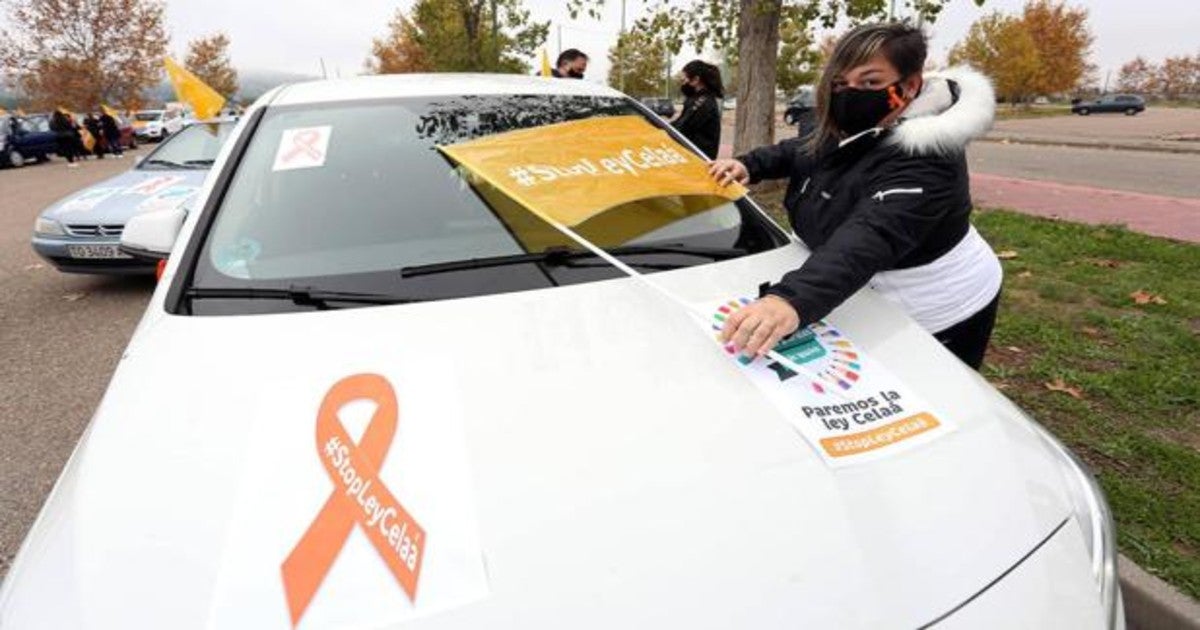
(619, 472)
(115, 200)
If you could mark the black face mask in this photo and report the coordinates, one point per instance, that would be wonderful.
(688, 90)
(574, 74)
(855, 111)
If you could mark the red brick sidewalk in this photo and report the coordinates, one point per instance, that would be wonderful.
(1172, 217)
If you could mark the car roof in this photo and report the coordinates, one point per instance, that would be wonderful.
(417, 85)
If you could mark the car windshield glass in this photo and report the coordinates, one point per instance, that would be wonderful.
(147, 116)
(194, 147)
(375, 197)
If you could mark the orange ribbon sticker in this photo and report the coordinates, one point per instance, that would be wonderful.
(359, 497)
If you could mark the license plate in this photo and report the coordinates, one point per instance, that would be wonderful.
(96, 251)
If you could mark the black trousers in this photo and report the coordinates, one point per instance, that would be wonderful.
(968, 339)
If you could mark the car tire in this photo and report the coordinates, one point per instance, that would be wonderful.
(15, 159)
(1083, 111)
(1131, 111)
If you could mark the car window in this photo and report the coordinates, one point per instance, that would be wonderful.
(385, 199)
(195, 146)
(147, 116)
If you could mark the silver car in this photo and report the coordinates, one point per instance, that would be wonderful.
(80, 234)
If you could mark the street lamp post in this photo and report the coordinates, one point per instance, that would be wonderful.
(621, 49)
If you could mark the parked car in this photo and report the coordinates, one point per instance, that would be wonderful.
(81, 233)
(664, 107)
(799, 108)
(128, 134)
(153, 125)
(346, 312)
(1128, 104)
(729, 103)
(24, 138)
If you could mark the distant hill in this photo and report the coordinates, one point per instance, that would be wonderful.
(252, 83)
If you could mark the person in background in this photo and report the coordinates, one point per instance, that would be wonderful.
(881, 197)
(700, 120)
(111, 133)
(92, 124)
(65, 134)
(572, 63)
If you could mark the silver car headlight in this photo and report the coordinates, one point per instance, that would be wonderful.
(48, 227)
(1095, 523)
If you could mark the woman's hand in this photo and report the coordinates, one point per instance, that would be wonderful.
(729, 170)
(756, 328)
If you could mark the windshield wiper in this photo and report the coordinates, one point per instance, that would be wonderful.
(201, 163)
(300, 296)
(564, 257)
(166, 163)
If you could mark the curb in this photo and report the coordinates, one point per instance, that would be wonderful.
(1154, 148)
(1152, 604)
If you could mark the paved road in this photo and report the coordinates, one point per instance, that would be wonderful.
(1167, 174)
(61, 337)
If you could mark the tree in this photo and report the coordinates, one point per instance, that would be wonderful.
(999, 46)
(1139, 76)
(799, 60)
(208, 59)
(83, 52)
(1178, 75)
(639, 63)
(752, 27)
(1061, 36)
(459, 36)
(399, 52)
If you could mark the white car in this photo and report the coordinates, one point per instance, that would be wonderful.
(157, 124)
(352, 375)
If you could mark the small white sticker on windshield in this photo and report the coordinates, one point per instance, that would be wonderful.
(302, 148)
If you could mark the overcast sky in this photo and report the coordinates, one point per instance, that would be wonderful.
(295, 35)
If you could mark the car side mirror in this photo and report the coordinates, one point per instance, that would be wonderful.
(151, 235)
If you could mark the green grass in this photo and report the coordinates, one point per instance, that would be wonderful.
(1067, 314)
(1007, 112)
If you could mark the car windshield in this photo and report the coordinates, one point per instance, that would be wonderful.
(385, 212)
(147, 116)
(196, 146)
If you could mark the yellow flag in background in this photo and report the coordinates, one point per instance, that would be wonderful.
(191, 90)
(3, 112)
(20, 112)
(108, 110)
(89, 141)
(545, 64)
(612, 179)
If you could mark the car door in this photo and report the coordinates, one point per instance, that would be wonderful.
(35, 138)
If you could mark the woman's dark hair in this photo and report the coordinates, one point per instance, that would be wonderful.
(569, 55)
(709, 75)
(904, 46)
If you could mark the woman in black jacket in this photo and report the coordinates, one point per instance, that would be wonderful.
(700, 120)
(880, 195)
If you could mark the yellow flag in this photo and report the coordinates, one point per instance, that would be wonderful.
(108, 110)
(89, 142)
(20, 112)
(612, 179)
(545, 64)
(3, 112)
(191, 90)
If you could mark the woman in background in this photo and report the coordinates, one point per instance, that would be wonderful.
(700, 120)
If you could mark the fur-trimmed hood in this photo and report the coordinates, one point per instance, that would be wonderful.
(954, 107)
